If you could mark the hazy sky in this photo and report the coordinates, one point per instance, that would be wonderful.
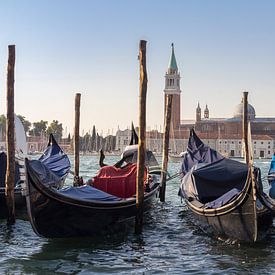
(63, 47)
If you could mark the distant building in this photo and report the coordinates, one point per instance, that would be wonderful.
(123, 138)
(222, 134)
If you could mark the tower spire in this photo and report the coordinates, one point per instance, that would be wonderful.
(206, 112)
(172, 87)
(172, 67)
(198, 113)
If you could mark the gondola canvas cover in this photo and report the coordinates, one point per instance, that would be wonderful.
(130, 155)
(55, 159)
(198, 152)
(87, 193)
(210, 181)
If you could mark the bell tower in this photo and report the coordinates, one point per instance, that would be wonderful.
(172, 87)
(206, 112)
(198, 113)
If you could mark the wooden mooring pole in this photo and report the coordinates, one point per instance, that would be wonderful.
(245, 127)
(76, 139)
(167, 125)
(10, 174)
(142, 137)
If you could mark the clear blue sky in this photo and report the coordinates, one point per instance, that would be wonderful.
(64, 47)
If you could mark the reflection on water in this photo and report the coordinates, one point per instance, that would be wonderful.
(170, 243)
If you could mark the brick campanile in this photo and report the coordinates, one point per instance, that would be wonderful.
(172, 86)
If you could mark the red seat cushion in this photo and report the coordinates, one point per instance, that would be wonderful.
(120, 182)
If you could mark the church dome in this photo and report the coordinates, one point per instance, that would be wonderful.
(238, 112)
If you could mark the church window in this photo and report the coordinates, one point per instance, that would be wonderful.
(268, 147)
(240, 142)
(232, 142)
(255, 152)
(225, 142)
(262, 142)
(268, 152)
(255, 142)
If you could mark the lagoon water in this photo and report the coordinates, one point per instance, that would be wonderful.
(170, 243)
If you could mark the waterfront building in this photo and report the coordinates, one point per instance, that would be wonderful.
(123, 138)
(222, 134)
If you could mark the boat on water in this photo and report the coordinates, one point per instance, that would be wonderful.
(176, 156)
(225, 196)
(105, 202)
(271, 178)
(53, 158)
(20, 152)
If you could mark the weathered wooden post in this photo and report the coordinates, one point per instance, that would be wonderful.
(142, 137)
(167, 125)
(245, 127)
(76, 139)
(10, 174)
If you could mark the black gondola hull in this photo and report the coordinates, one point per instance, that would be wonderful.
(19, 201)
(225, 197)
(240, 224)
(52, 215)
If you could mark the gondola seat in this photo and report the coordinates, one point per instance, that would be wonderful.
(119, 182)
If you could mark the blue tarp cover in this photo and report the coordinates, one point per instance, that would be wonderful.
(209, 177)
(224, 199)
(50, 179)
(56, 160)
(87, 193)
(208, 182)
(44, 174)
(271, 172)
(198, 152)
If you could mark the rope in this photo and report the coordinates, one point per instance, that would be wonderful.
(174, 176)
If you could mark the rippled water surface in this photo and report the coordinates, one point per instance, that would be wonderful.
(170, 243)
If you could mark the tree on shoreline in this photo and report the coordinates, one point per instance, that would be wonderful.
(39, 128)
(56, 129)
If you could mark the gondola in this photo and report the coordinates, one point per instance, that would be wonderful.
(225, 196)
(271, 178)
(53, 158)
(20, 151)
(104, 203)
(19, 176)
(107, 201)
